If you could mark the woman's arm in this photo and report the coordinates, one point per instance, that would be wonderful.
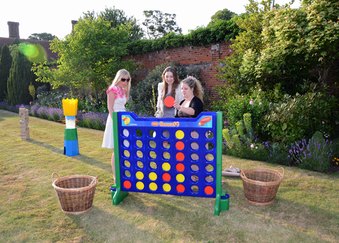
(194, 109)
(159, 100)
(189, 111)
(110, 102)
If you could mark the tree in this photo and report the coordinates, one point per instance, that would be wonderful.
(159, 24)
(89, 56)
(282, 56)
(42, 36)
(290, 47)
(288, 53)
(19, 79)
(5, 65)
(224, 14)
(322, 36)
(299, 44)
(248, 42)
(117, 17)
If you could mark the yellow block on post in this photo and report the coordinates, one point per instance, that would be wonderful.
(70, 107)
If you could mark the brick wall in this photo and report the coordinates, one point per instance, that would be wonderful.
(206, 57)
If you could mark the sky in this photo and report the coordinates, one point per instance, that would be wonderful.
(54, 17)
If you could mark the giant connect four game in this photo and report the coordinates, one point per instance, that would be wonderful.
(176, 156)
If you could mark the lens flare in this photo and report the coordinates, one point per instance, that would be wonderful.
(33, 52)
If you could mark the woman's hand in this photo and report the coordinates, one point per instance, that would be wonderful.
(177, 106)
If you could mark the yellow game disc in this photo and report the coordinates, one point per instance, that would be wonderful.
(140, 186)
(153, 186)
(166, 166)
(152, 176)
(166, 187)
(180, 178)
(139, 175)
(179, 134)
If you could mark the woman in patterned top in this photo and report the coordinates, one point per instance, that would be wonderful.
(117, 96)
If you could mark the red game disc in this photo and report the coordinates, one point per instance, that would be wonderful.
(169, 101)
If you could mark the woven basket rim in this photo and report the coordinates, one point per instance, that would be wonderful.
(262, 183)
(63, 178)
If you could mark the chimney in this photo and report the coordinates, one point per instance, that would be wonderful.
(13, 29)
(74, 22)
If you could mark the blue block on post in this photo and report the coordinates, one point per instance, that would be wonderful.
(71, 147)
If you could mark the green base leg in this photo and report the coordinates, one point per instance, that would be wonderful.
(117, 195)
(221, 204)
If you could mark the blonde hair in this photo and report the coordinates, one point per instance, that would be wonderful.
(195, 85)
(121, 73)
(175, 83)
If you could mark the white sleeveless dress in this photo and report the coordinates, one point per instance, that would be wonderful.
(119, 105)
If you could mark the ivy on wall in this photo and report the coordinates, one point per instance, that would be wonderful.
(215, 33)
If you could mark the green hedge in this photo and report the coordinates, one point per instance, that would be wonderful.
(215, 33)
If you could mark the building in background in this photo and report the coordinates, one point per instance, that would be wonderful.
(14, 37)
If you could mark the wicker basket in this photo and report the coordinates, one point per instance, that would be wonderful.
(75, 192)
(261, 185)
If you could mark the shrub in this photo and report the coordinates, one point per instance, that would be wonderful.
(90, 104)
(50, 98)
(335, 147)
(42, 112)
(95, 120)
(34, 110)
(313, 154)
(236, 105)
(55, 114)
(278, 153)
(295, 117)
(14, 108)
(142, 95)
(241, 141)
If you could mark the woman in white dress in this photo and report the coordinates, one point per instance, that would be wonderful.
(117, 96)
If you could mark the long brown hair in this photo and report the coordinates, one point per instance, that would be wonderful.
(174, 85)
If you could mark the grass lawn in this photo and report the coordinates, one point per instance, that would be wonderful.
(306, 207)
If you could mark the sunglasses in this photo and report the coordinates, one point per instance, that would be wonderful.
(125, 79)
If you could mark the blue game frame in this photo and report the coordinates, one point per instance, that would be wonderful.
(148, 157)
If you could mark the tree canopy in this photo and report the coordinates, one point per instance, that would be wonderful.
(117, 17)
(292, 47)
(159, 24)
(20, 76)
(224, 14)
(5, 65)
(92, 54)
(42, 36)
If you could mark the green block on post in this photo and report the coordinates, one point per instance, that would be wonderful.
(71, 134)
